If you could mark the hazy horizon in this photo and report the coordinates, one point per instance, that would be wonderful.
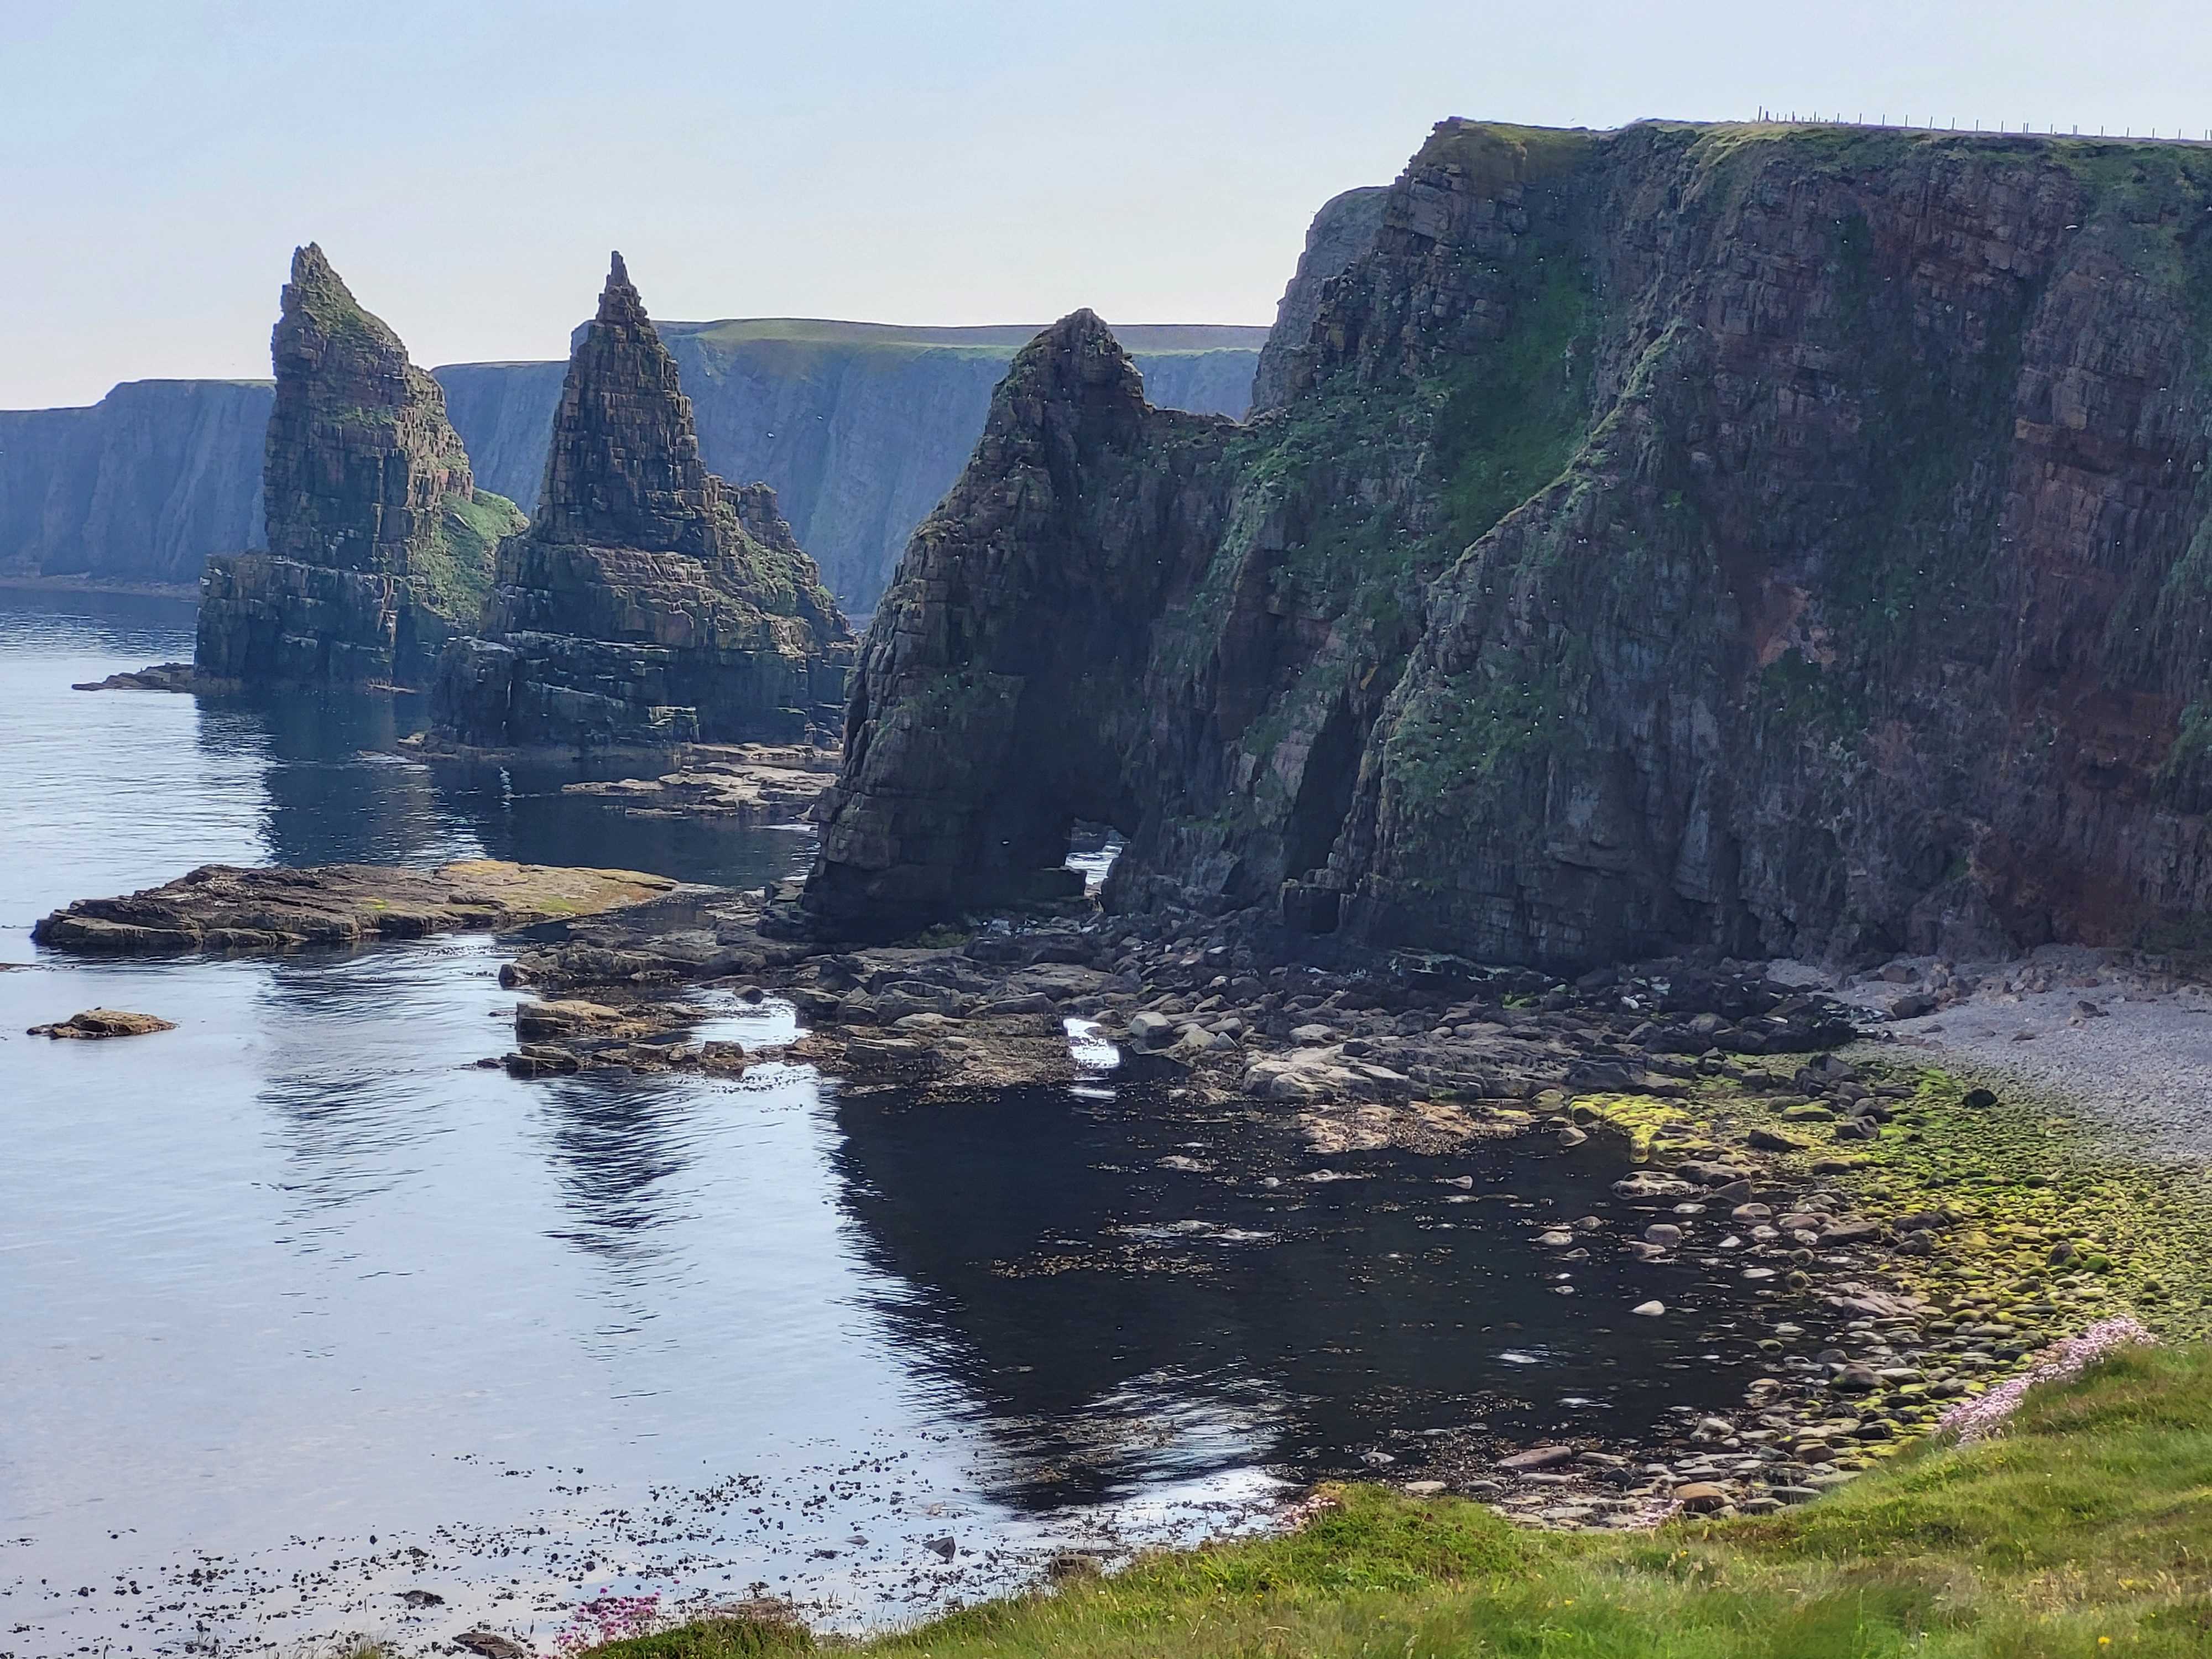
(980, 164)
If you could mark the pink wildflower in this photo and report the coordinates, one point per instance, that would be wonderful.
(1979, 1418)
(609, 1619)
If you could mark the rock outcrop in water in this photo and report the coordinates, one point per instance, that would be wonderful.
(380, 544)
(648, 603)
(223, 908)
(1769, 539)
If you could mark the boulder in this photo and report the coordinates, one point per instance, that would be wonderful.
(1537, 1457)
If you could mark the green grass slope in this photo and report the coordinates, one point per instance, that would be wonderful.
(2084, 1528)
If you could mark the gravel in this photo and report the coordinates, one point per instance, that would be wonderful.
(2139, 1067)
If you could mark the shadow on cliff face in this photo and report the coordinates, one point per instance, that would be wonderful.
(1129, 1295)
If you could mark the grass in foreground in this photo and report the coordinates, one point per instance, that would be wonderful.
(2085, 1529)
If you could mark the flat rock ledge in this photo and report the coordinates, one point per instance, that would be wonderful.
(742, 783)
(223, 908)
(95, 1023)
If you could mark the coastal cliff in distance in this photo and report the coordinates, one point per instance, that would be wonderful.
(648, 603)
(380, 545)
(140, 487)
(861, 428)
(1763, 539)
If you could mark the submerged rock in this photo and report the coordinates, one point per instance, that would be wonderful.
(380, 544)
(648, 603)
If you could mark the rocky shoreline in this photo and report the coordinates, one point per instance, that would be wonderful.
(1913, 1238)
(743, 784)
(1919, 1238)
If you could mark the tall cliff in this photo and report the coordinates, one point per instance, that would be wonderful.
(1765, 539)
(860, 426)
(141, 487)
(380, 544)
(648, 602)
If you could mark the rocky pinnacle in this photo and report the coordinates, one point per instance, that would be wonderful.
(380, 544)
(360, 459)
(648, 603)
(624, 468)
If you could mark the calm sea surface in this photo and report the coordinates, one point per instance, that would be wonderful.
(302, 1317)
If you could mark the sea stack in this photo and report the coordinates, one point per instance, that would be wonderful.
(380, 544)
(648, 603)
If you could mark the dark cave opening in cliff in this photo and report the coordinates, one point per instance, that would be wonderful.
(1324, 796)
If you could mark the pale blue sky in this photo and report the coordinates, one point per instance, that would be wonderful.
(467, 165)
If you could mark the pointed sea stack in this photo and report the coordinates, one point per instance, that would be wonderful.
(380, 544)
(649, 602)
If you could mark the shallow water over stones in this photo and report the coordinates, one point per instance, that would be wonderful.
(306, 1311)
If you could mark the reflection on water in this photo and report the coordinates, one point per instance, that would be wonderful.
(1070, 1263)
(300, 1273)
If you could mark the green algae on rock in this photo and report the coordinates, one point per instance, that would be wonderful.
(1774, 539)
(95, 1025)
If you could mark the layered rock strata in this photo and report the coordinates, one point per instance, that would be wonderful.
(648, 603)
(140, 487)
(1768, 539)
(380, 544)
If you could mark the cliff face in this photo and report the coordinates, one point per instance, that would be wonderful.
(1771, 540)
(143, 486)
(648, 602)
(1341, 232)
(380, 544)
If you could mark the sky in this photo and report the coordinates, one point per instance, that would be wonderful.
(468, 165)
